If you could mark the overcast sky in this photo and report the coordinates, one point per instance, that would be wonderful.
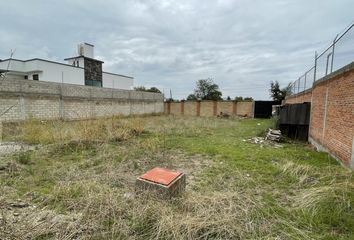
(241, 44)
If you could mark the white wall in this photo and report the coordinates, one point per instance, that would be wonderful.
(116, 81)
(86, 50)
(47, 71)
(15, 65)
(53, 72)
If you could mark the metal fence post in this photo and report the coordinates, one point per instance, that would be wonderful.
(328, 56)
(305, 81)
(314, 70)
(334, 43)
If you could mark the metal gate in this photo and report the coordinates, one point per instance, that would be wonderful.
(263, 109)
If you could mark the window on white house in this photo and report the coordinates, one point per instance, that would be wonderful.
(77, 63)
(35, 77)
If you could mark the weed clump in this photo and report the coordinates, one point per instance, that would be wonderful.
(24, 158)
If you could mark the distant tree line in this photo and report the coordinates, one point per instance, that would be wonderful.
(205, 89)
(143, 89)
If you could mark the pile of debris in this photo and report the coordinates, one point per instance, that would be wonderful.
(273, 135)
(256, 140)
(272, 138)
(263, 142)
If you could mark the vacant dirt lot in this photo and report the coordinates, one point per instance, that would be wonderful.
(76, 181)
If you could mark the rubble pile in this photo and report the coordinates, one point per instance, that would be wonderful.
(272, 138)
(273, 135)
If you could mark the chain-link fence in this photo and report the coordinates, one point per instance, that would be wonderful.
(334, 57)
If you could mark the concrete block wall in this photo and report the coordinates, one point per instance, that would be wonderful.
(10, 107)
(332, 114)
(24, 99)
(209, 108)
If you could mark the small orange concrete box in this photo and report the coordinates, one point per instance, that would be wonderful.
(165, 182)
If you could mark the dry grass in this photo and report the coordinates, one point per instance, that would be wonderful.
(79, 183)
(336, 193)
(98, 130)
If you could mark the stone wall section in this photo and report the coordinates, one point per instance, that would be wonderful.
(93, 69)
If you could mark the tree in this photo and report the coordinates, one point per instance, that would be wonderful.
(140, 88)
(143, 89)
(154, 89)
(279, 94)
(288, 90)
(239, 98)
(228, 98)
(248, 99)
(191, 97)
(206, 90)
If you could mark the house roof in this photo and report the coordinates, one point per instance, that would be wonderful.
(39, 59)
(83, 57)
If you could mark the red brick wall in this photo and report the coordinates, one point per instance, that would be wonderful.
(175, 108)
(334, 128)
(332, 113)
(299, 98)
(209, 108)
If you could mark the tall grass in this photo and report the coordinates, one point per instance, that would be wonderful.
(98, 130)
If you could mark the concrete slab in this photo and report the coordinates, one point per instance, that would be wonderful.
(163, 182)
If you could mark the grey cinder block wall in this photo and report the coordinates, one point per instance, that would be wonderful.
(24, 99)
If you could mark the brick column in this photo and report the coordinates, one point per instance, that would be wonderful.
(198, 108)
(168, 108)
(215, 108)
(182, 107)
(234, 107)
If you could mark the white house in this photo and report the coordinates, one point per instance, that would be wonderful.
(83, 69)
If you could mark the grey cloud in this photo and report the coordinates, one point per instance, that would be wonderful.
(170, 44)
